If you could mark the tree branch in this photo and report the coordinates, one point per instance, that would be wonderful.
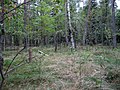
(19, 65)
(13, 9)
(16, 7)
(14, 59)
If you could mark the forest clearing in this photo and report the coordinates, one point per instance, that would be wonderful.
(59, 44)
(87, 68)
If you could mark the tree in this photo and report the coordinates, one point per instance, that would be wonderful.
(70, 25)
(2, 32)
(86, 23)
(66, 24)
(93, 24)
(113, 24)
(105, 17)
(118, 19)
(25, 25)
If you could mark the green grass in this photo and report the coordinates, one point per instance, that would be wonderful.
(61, 69)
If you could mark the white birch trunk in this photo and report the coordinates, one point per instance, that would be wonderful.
(70, 26)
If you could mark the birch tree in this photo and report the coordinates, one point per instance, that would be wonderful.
(70, 25)
(66, 24)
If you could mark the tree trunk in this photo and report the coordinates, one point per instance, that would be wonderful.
(2, 32)
(25, 24)
(113, 25)
(2, 26)
(86, 23)
(70, 26)
(1, 41)
(66, 25)
(55, 42)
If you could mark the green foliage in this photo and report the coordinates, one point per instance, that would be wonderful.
(44, 19)
(96, 80)
(109, 61)
(39, 18)
(118, 18)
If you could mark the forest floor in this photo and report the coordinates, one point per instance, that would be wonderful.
(87, 68)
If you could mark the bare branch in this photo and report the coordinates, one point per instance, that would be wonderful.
(14, 59)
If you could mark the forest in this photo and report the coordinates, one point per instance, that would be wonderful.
(59, 45)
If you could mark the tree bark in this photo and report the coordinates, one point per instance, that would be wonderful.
(70, 25)
(2, 32)
(113, 25)
(86, 23)
(25, 24)
(66, 25)
(55, 42)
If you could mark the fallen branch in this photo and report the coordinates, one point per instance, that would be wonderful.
(7, 71)
(14, 59)
(42, 53)
(19, 65)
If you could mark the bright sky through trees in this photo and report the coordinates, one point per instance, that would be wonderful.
(20, 1)
(117, 1)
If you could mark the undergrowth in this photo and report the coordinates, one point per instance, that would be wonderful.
(91, 68)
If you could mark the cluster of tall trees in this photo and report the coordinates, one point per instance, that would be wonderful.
(44, 22)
